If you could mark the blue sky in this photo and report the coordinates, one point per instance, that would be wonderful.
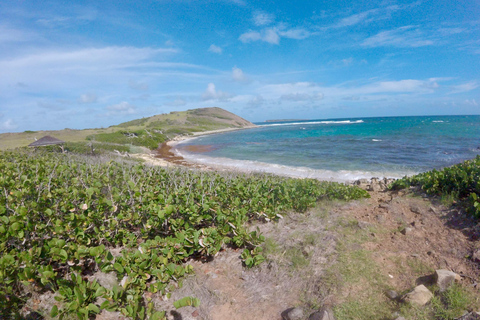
(90, 64)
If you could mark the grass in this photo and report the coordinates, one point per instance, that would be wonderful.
(173, 124)
(358, 284)
(449, 305)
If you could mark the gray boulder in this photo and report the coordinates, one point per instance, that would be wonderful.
(293, 314)
(420, 296)
(444, 279)
(323, 314)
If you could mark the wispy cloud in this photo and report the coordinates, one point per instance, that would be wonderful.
(269, 35)
(274, 34)
(302, 97)
(88, 98)
(464, 87)
(238, 75)
(262, 18)
(122, 108)
(215, 49)
(8, 125)
(139, 86)
(212, 94)
(179, 102)
(407, 36)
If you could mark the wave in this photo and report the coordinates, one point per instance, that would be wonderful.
(376, 140)
(249, 166)
(312, 122)
(438, 121)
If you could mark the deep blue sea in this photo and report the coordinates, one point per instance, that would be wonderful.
(342, 149)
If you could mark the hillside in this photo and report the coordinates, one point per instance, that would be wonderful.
(145, 132)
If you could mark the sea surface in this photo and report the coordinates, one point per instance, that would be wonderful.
(342, 149)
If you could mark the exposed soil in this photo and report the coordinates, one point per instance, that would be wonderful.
(405, 230)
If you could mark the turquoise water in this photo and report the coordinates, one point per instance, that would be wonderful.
(344, 149)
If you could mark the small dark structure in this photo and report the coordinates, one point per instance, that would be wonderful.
(46, 141)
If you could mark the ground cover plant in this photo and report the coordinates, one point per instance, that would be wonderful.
(460, 182)
(64, 217)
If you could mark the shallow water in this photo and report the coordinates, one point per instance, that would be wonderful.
(343, 149)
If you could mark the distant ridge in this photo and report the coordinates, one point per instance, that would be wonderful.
(147, 132)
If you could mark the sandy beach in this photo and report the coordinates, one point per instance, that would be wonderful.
(166, 156)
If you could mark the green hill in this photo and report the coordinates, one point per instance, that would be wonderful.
(146, 132)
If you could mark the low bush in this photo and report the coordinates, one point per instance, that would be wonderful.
(461, 181)
(62, 215)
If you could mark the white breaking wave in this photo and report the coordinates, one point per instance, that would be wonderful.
(376, 140)
(249, 166)
(438, 121)
(312, 122)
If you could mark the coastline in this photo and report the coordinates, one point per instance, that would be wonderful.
(167, 155)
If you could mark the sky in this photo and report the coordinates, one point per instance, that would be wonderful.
(92, 64)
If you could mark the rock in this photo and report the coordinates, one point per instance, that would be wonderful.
(470, 316)
(444, 279)
(392, 294)
(384, 205)
(380, 218)
(406, 230)
(110, 315)
(106, 280)
(363, 224)
(415, 209)
(374, 186)
(420, 296)
(476, 256)
(323, 314)
(293, 314)
(400, 318)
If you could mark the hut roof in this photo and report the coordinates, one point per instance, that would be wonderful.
(46, 141)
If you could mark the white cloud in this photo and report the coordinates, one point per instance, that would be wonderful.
(407, 36)
(238, 75)
(472, 102)
(302, 97)
(262, 18)
(8, 125)
(215, 49)
(465, 87)
(139, 86)
(258, 100)
(212, 94)
(106, 57)
(123, 108)
(176, 103)
(273, 35)
(269, 35)
(297, 33)
(88, 98)
(356, 19)
(11, 35)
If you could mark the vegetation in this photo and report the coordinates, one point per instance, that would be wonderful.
(145, 132)
(460, 182)
(143, 138)
(64, 216)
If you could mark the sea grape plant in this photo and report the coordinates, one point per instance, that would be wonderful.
(62, 216)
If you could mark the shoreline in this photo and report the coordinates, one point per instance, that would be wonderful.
(167, 155)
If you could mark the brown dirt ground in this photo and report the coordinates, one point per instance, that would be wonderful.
(438, 238)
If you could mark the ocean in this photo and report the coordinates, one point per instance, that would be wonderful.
(342, 149)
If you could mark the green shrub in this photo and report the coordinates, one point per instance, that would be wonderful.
(143, 138)
(62, 214)
(461, 181)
